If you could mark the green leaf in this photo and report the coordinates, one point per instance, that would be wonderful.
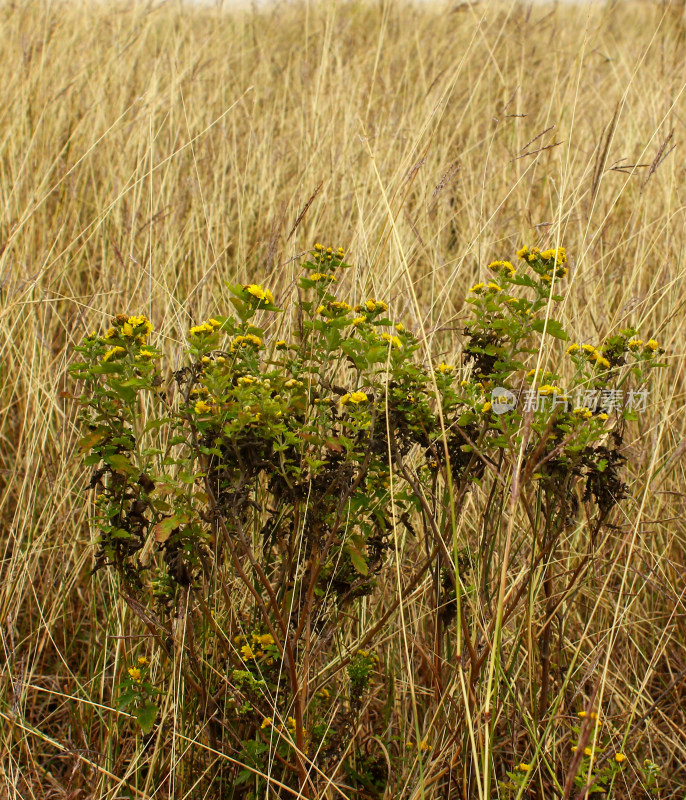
(163, 530)
(359, 561)
(146, 716)
(126, 699)
(552, 327)
(121, 463)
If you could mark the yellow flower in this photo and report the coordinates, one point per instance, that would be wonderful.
(259, 293)
(602, 416)
(424, 746)
(634, 344)
(147, 353)
(393, 341)
(281, 344)
(589, 348)
(445, 369)
(619, 757)
(601, 361)
(201, 407)
(400, 328)
(478, 288)
(375, 305)
(340, 307)
(584, 413)
(263, 639)
(113, 352)
(127, 329)
(135, 674)
(588, 751)
(291, 723)
(215, 323)
(523, 767)
(547, 389)
(317, 246)
(143, 661)
(197, 330)
(559, 255)
(486, 407)
(292, 383)
(246, 341)
(651, 344)
(247, 653)
(323, 276)
(573, 348)
(523, 252)
(355, 398)
(246, 380)
(503, 267)
(265, 723)
(494, 287)
(358, 321)
(325, 694)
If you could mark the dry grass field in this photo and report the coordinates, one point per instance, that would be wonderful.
(151, 153)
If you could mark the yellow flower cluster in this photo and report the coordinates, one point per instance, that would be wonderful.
(259, 293)
(583, 412)
(548, 389)
(524, 767)
(249, 340)
(373, 306)
(595, 355)
(135, 674)
(478, 288)
(445, 369)
(139, 327)
(323, 276)
(354, 398)
(203, 407)
(393, 341)
(504, 268)
(114, 352)
(281, 344)
(358, 321)
(207, 327)
(528, 253)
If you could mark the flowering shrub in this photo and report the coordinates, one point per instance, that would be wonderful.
(264, 487)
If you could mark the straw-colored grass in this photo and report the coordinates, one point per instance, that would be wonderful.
(151, 153)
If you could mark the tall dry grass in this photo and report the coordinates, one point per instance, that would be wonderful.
(150, 153)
